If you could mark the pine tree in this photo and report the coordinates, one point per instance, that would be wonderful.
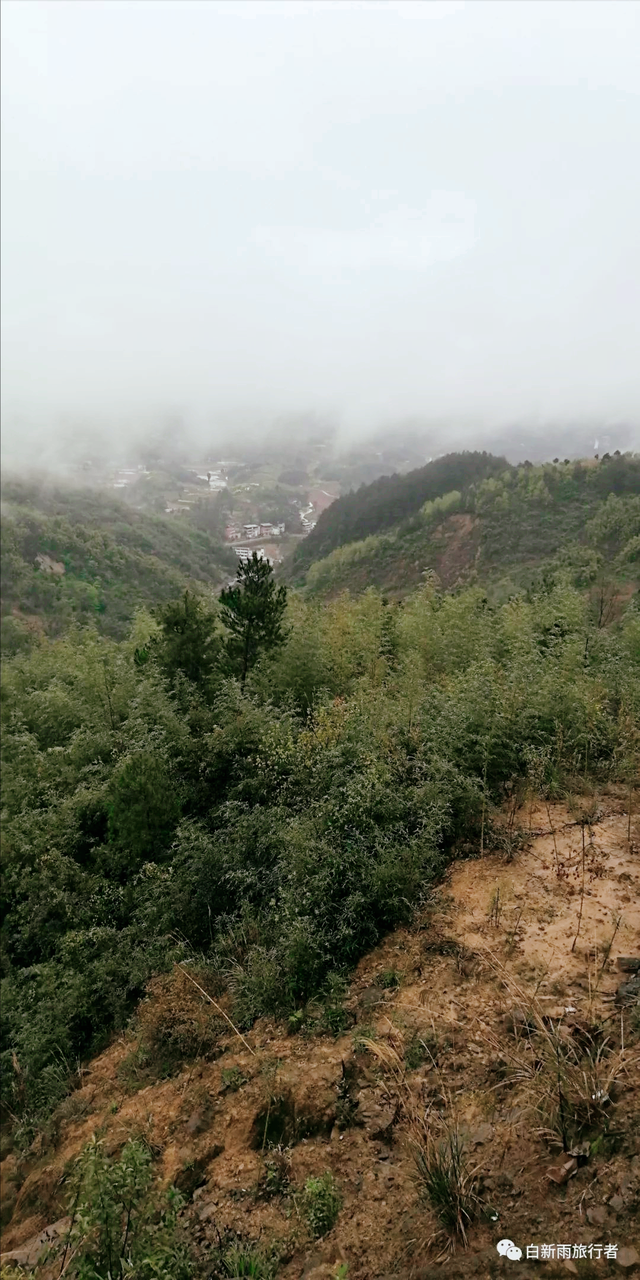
(253, 612)
(187, 642)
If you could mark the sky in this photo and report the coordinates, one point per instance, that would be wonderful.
(229, 211)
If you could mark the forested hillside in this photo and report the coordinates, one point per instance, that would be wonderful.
(502, 529)
(391, 499)
(81, 556)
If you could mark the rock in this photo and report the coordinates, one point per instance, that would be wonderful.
(627, 1257)
(481, 1134)
(570, 1266)
(207, 1211)
(629, 990)
(560, 1173)
(597, 1216)
(323, 1264)
(196, 1123)
(33, 1250)
(379, 1122)
(21, 1258)
(377, 1112)
(312, 1263)
(616, 1203)
(517, 1022)
(368, 1000)
(628, 964)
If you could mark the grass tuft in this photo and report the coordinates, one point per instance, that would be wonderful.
(446, 1181)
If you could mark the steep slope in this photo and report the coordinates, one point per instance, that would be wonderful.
(585, 517)
(458, 1025)
(390, 500)
(78, 555)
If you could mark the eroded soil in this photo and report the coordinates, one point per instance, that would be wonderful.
(451, 1028)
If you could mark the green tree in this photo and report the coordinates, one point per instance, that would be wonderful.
(143, 809)
(187, 641)
(253, 612)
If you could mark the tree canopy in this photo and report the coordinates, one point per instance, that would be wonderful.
(253, 612)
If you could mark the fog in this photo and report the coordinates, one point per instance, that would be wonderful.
(217, 214)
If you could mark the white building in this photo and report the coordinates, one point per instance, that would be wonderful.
(245, 553)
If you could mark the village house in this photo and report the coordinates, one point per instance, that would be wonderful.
(245, 553)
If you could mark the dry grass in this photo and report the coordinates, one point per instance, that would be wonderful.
(565, 1081)
(174, 1024)
(568, 1080)
(443, 1176)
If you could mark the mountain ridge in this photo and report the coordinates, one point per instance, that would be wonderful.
(512, 524)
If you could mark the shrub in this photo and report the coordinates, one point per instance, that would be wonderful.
(277, 1170)
(143, 809)
(321, 1204)
(310, 824)
(233, 1079)
(419, 1049)
(117, 1228)
(388, 979)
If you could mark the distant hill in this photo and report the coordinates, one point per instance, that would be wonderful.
(389, 500)
(506, 523)
(80, 555)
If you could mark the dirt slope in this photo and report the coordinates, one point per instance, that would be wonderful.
(453, 1026)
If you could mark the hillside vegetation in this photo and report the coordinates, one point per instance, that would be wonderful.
(278, 832)
(78, 556)
(504, 527)
(389, 500)
(429, 1097)
(259, 791)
